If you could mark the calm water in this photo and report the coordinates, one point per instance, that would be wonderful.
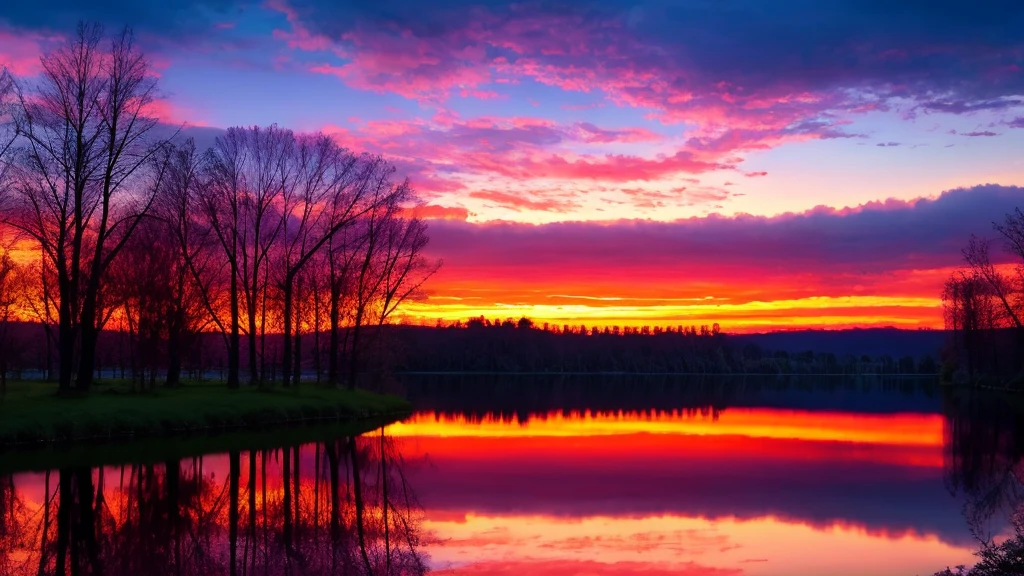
(694, 479)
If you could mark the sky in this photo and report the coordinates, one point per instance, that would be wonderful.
(762, 165)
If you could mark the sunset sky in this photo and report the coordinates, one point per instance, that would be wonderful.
(763, 165)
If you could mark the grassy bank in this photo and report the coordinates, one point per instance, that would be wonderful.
(153, 450)
(32, 414)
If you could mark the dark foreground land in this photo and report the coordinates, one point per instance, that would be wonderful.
(31, 413)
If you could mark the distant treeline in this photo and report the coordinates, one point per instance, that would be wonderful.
(517, 397)
(519, 346)
(508, 346)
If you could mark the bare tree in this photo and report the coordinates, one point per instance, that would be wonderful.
(233, 230)
(984, 304)
(86, 144)
(342, 259)
(196, 276)
(322, 168)
(250, 169)
(972, 315)
(406, 268)
(977, 256)
(220, 201)
(335, 190)
(368, 274)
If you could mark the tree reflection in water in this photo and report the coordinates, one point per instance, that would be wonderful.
(339, 507)
(985, 464)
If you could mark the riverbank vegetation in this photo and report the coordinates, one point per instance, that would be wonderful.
(31, 415)
(983, 305)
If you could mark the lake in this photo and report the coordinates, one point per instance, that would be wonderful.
(546, 476)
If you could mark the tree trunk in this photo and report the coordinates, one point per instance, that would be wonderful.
(172, 469)
(252, 507)
(317, 351)
(334, 340)
(286, 469)
(332, 460)
(353, 367)
(87, 519)
(384, 504)
(87, 351)
(235, 471)
(254, 375)
(357, 489)
(174, 350)
(296, 476)
(63, 520)
(65, 349)
(287, 359)
(234, 342)
(298, 341)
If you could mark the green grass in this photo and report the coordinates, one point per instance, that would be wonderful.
(31, 413)
(150, 450)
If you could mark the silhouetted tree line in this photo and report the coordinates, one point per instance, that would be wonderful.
(480, 345)
(136, 232)
(517, 398)
(983, 305)
(339, 507)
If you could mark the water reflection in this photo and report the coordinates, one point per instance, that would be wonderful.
(985, 454)
(755, 487)
(731, 491)
(340, 507)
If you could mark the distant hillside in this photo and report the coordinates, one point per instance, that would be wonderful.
(869, 341)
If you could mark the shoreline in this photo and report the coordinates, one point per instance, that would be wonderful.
(162, 449)
(33, 416)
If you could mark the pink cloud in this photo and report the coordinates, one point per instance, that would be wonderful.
(574, 53)
(426, 69)
(591, 133)
(448, 149)
(614, 168)
(169, 112)
(481, 94)
(20, 51)
(519, 203)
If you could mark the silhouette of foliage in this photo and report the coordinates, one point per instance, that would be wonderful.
(149, 243)
(984, 306)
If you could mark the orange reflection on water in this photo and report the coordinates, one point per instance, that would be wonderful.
(603, 494)
(479, 545)
(888, 429)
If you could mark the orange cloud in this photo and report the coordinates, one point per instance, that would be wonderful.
(435, 212)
